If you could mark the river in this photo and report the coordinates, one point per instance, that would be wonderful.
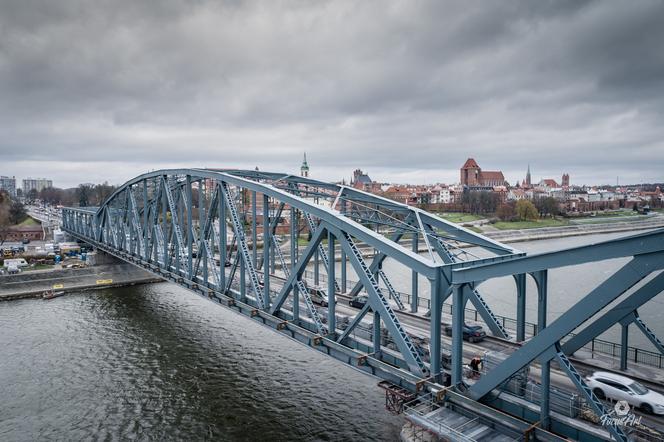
(158, 362)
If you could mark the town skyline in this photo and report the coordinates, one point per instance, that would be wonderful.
(426, 177)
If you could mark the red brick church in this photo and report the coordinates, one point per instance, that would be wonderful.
(472, 175)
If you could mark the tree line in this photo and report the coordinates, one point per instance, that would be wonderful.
(82, 196)
(12, 212)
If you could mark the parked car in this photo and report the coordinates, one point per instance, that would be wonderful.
(358, 301)
(612, 386)
(12, 270)
(318, 296)
(25, 240)
(471, 333)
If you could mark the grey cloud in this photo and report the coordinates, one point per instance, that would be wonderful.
(390, 86)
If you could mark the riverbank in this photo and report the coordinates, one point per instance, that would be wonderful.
(33, 284)
(508, 236)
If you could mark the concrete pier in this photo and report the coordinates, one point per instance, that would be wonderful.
(109, 272)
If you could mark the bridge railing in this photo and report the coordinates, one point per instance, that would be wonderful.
(595, 346)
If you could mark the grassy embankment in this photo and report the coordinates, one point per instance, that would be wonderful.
(460, 218)
(545, 222)
(28, 222)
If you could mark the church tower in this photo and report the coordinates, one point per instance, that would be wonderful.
(304, 168)
(528, 183)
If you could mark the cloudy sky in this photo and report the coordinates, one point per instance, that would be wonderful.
(107, 89)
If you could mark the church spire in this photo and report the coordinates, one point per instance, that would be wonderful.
(304, 168)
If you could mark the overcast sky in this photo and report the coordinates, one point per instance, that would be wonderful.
(104, 90)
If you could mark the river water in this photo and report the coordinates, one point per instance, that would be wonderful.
(160, 363)
(157, 362)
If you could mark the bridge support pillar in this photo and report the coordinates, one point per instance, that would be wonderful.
(331, 289)
(541, 278)
(267, 240)
(316, 267)
(254, 249)
(190, 231)
(293, 258)
(624, 342)
(223, 252)
(414, 281)
(520, 307)
(376, 334)
(243, 279)
(458, 302)
(344, 285)
(435, 327)
(545, 411)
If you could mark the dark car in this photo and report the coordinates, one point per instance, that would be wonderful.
(25, 240)
(471, 333)
(359, 301)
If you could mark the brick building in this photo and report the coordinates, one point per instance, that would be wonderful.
(472, 175)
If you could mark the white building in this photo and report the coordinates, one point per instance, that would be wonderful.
(38, 184)
(8, 184)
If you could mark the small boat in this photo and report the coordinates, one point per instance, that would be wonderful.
(50, 294)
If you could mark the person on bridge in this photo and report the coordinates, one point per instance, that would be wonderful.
(475, 364)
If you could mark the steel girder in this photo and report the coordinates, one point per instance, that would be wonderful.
(628, 246)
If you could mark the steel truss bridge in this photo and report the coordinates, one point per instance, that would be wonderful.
(232, 236)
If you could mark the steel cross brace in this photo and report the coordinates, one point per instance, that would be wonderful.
(242, 246)
(587, 393)
(473, 295)
(623, 310)
(378, 260)
(380, 305)
(298, 268)
(321, 249)
(630, 274)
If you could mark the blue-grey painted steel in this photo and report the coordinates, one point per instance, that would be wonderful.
(414, 290)
(624, 343)
(630, 274)
(293, 258)
(375, 335)
(545, 412)
(473, 295)
(639, 244)
(244, 249)
(380, 304)
(615, 315)
(321, 252)
(542, 280)
(520, 280)
(591, 399)
(331, 285)
(654, 340)
(437, 289)
(458, 319)
(267, 240)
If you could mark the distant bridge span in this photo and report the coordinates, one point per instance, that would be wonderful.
(223, 234)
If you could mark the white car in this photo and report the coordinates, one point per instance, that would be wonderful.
(612, 386)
